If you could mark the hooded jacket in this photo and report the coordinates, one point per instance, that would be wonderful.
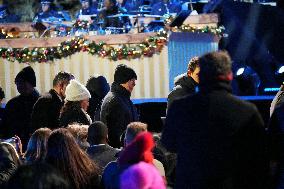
(184, 85)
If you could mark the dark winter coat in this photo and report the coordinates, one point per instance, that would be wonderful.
(102, 154)
(184, 85)
(17, 116)
(2, 110)
(220, 141)
(94, 108)
(74, 116)
(117, 112)
(46, 111)
(276, 144)
(7, 166)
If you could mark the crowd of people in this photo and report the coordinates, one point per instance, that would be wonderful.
(78, 136)
(104, 9)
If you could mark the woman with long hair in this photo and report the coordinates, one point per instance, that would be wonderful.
(37, 145)
(65, 154)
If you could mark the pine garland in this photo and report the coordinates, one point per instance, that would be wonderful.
(147, 48)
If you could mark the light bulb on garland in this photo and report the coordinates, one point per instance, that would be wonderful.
(67, 48)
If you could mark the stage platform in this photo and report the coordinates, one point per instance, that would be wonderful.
(152, 109)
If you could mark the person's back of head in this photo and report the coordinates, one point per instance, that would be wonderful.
(60, 81)
(140, 149)
(98, 86)
(132, 130)
(65, 154)
(62, 78)
(141, 175)
(80, 133)
(26, 80)
(37, 145)
(97, 133)
(215, 67)
(38, 175)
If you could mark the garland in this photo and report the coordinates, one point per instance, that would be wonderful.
(81, 24)
(219, 31)
(147, 48)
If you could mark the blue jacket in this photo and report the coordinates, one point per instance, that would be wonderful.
(48, 16)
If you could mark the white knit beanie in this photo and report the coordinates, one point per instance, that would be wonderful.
(75, 91)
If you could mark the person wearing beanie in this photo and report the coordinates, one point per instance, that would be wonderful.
(46, 110)
(141, 176)
(17, 115)
(76, 105)
(117, 110)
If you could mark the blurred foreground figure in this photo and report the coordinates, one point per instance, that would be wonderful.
(219, 139)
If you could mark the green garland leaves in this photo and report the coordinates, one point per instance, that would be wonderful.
(149, 47)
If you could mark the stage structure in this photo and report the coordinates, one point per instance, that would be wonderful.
(155, 73)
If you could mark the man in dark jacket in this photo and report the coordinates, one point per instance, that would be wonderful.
(117, 109)
(46, 110)
(185, 84)
(99, 149)
(17, 115)
(219, 139)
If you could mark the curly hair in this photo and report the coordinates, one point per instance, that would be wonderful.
(63, 77)
(193, 64)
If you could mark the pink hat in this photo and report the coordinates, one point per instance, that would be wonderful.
(142, 176)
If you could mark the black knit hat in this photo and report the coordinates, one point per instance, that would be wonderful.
(27, 74)
(123, 74)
